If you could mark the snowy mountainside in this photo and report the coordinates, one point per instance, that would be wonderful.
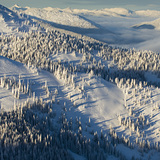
(12, 22)
(55, 15)
(8, 14)
(79, 85)
(76, 97)
(56, 89)
(149, 25)
(112, 26)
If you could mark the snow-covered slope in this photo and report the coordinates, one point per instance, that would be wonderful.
(79, 84)
(11, 22)
(149, 25)
(12, 69)
(55, 15)
(8, 17)
(15, 71)
(76, 97)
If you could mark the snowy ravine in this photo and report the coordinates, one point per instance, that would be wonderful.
(65, 96)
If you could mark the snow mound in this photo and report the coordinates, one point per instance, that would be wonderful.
(55, 15)
(8, 66)
(149, 25)
(107, 102)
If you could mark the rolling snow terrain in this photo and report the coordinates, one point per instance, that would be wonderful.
(66, 95)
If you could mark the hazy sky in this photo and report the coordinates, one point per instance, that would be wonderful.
(86, 4)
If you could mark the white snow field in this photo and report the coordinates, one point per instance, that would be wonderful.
(65, 95)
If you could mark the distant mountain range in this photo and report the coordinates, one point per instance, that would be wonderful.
(55, 15)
